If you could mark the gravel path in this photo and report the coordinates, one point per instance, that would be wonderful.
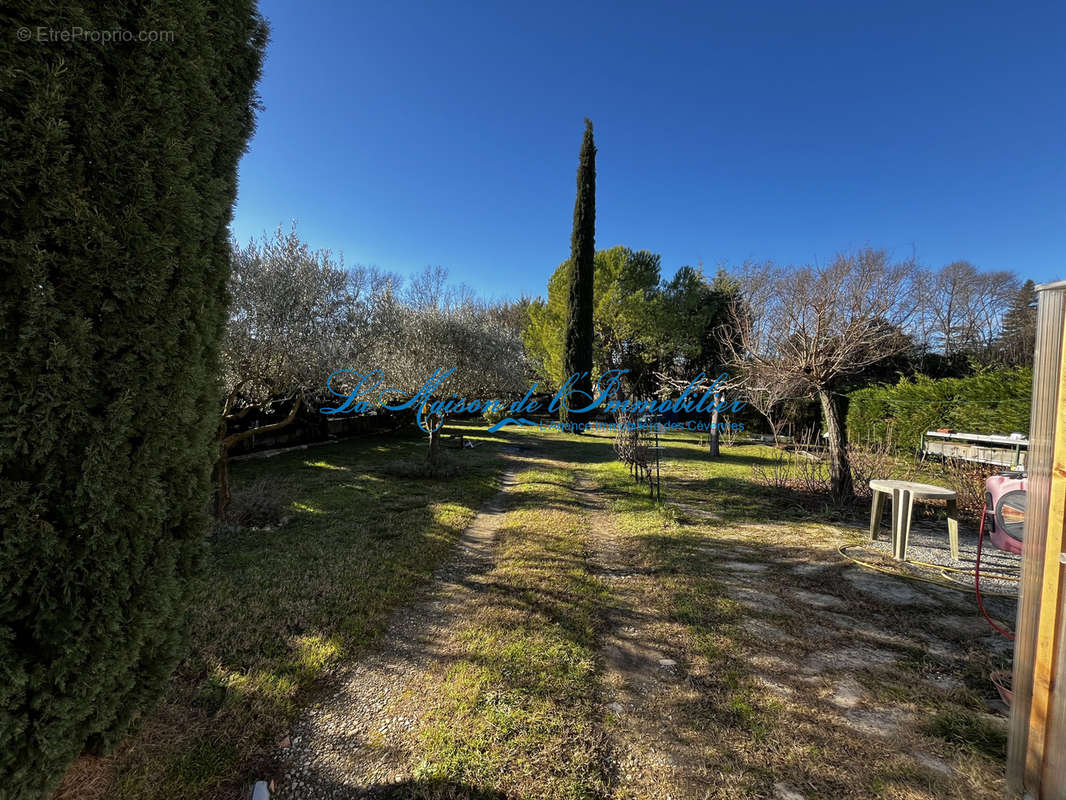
(929, 544)
(357, 742)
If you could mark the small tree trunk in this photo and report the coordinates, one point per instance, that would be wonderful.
(222, 492)
(226, 441)
(712, 440)
(840, 483)
(437, 423)
(775, 428)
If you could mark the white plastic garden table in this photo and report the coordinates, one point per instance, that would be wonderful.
(903, 494)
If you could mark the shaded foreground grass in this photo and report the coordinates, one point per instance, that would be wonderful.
(277, 608)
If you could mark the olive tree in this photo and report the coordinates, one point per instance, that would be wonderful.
(445, 330)
(295, 314)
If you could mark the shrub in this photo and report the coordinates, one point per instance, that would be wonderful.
(967, 478)
(117, 180)
(992, 401)
(878, 461)
(802, 467)
(494, 414)
(777, 474)
(256, 505)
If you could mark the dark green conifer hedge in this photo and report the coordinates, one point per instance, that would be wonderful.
(990, 401)
(118, 168)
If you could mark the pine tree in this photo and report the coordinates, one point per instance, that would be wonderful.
(577, 353)
(117, 178)
(1018, 339)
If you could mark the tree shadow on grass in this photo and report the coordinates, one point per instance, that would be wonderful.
(781, 628)
(741, 499)
(773, 646)
(277, 606)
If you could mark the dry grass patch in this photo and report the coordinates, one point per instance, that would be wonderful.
(801, 680)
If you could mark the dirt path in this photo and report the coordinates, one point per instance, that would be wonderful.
(642, 679)
(357, 743)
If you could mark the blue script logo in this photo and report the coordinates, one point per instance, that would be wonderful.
(370, 392)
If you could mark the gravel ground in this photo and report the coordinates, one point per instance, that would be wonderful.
(928, 543)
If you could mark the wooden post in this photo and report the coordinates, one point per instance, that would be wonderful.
(1047, 646)
(1036, 763)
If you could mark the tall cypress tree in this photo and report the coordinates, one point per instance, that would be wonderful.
(577, 354)
(118, 173)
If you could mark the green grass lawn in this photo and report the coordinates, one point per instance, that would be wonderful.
(276, 609)
(518, 707)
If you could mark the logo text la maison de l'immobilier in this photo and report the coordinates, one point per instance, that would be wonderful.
(370, 392)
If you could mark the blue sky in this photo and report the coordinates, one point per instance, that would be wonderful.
(406, 135)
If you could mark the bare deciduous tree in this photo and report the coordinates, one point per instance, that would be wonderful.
(811, 326)
(718, 385)
(966, 308)
(997, 290)
(766, 391)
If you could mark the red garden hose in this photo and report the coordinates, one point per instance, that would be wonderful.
(977, 574)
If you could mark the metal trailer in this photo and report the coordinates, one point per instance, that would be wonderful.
(1002, 451)
(1036, 759)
